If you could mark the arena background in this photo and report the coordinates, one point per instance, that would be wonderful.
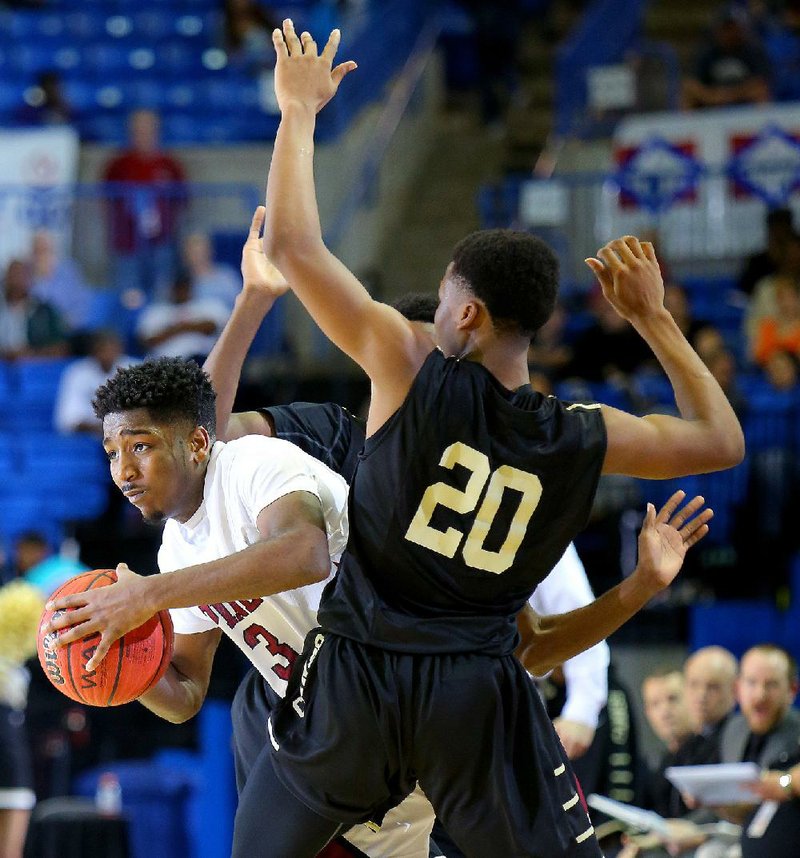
(567, 121)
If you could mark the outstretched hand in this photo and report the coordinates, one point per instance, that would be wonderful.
(257, 270)
(302, 76)
(667, 535)
(629, 276)
(111, 611)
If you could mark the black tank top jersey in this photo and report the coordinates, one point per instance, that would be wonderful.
(460, 505)
(327, 432)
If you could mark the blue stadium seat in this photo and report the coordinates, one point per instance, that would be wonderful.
(734, 625)
(771, 418)
(21, 512)
(37, 386)
(154, 799)
(107, 127)
(50, 458)
(85, 24)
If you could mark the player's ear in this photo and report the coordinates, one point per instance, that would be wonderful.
(200, 444)
(470, 315)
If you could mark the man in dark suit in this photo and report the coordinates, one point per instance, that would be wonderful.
(766, 731)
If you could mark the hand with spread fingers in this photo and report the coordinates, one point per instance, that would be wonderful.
(257, 270)
(666, 536)
(629, 277)
(111, 611)
(302, 75)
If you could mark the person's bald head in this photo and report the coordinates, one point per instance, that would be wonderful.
(710, 686)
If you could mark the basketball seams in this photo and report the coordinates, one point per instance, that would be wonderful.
(69, 671)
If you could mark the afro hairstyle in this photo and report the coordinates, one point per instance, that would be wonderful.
(515, 274)
(170, 388)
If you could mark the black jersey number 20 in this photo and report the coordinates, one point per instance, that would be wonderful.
(447, 542)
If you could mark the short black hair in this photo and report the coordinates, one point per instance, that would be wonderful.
(168, 387)
(514, 273)
(417, 306)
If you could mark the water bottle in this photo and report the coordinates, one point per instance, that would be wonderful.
(108, 797)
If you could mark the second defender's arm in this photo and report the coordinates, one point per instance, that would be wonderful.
(180, 692)
(664, 540)
(262, 285)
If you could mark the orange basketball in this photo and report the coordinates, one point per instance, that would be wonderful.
(133, 664)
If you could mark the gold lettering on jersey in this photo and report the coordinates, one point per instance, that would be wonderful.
(505, 477)
(447, 542)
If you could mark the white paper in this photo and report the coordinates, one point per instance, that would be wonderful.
(724, 783)
(636, 817)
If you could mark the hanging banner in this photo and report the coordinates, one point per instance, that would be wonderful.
(704, 180)
(38, 169)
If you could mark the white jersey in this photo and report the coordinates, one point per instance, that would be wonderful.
(244, 477)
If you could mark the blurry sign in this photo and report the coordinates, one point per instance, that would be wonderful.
(543, 203)
(38, 168)
(611, 87)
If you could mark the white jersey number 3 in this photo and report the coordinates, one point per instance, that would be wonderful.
(447, 542)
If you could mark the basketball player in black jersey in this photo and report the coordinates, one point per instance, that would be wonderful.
(468, 490)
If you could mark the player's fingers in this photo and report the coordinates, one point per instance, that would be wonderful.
(73, 600)
(696, 536)
(341, 70)
(332, 45)
(279, 43)
(597, 267)
(257, 222)
(99, 654)
(292, 42)
(649, 251)
(66, 619)
(687, 511)
(610, 258)
(75, 633)
(620, 246)
(649, 516)
(308, 43)
(123, 570)
(666, 511)
(689, 529)
(681, 515)
(634, 245)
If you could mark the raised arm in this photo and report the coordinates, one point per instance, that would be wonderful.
(666, 536)
(262, 285)
(707, 436)
(374, 335)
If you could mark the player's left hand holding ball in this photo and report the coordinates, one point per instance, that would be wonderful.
(110, 611)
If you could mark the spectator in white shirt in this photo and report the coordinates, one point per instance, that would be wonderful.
(586, 676)
(73, 412)
(185, 326)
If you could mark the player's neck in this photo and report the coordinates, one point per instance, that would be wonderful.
(193, 497)
(506, 358)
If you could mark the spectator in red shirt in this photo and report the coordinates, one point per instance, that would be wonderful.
(147, 193)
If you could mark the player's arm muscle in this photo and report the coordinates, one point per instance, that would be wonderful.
(659, 446)
(180, 693)
(292, 552)
(375, 336)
